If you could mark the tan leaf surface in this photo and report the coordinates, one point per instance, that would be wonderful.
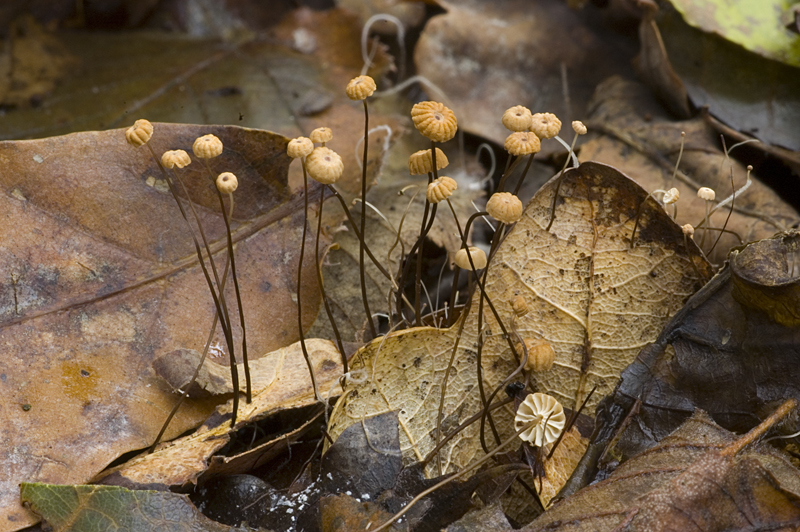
(280, 382)
(591, 295)
(101, 276)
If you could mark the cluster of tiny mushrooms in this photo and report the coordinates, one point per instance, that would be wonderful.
(540, 418)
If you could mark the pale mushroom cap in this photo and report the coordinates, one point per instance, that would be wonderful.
(540, 355)
(173, 158)
(579, 127)
(504, 207)
(321, 135)
(705, 193)
(360, 88)
(688, 230)
(522, 143)
(550, 416)
(545, 125)
(421, 162)
(434, 120)
(207, 146)
(299, 147)
(478, 258)
(441, 189)
(324, 165)
(671, 196)
(227, 183)
(519, 306)
(517, 118)
(139, 133)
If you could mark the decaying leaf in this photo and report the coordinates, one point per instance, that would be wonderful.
(101, 276)
(488, 56)
(643, 142)
(280, 382)
(698, 478)
(731, 351)
(91, 508)
(596, 298)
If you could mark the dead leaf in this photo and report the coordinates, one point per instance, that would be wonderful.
(91, 508)
(281, 382)
(574, 279)
(643, 142)
(694, 479)
(739, 333)
(488, 56)
(101, 276)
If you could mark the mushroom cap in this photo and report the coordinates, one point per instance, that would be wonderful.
(550, 416)
(299, 147)
(688, 230)
(173, 158)
(207, 146)
(441, 189)
(540, 354)
(321, 135)
(139, 133)
(517, 118)
(504, 207)
(671, 196)
(705, 193)
(420, 162)
(434, 120)
(324, 165)
(545, 125)
(522, 143)
(227, 183)
(478, 258)
(360, 88)
(519, 306)
(579, 127)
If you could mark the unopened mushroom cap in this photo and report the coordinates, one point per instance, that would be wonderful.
(545, 125)
(671, 196)
(139, 133)
(504, 207)
(478, 258)
(688, 230)
(227, 183)
(579, 127)
(324, 165)
(434, 120)
(547, 415)
(705, 193)
(299, 147)
(540, 354)
(519, 306)
(321, 135)
(207, 146)
(421, 162)
(517, 118)
(522, 143)
(441, 189)
(360, 88)
(173, 158)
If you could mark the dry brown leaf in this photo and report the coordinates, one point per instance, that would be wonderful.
(694, 479)
(101, 276)
(280, 382)
(630, 117)
(593, 297)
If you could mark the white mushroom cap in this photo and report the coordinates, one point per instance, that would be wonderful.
(548, 415)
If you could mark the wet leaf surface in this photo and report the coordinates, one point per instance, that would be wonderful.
(102, 277)
(696, 478)
(739, 332)
(90, 508)
(574, 278)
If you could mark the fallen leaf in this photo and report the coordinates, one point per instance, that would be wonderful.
(738, 333)
(697, 478)
(91, 508)
(640, 140)
(101, 276)
(489, 56)
(573, 278)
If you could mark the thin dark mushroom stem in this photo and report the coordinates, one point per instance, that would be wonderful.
(300, 283)
(362, 244)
